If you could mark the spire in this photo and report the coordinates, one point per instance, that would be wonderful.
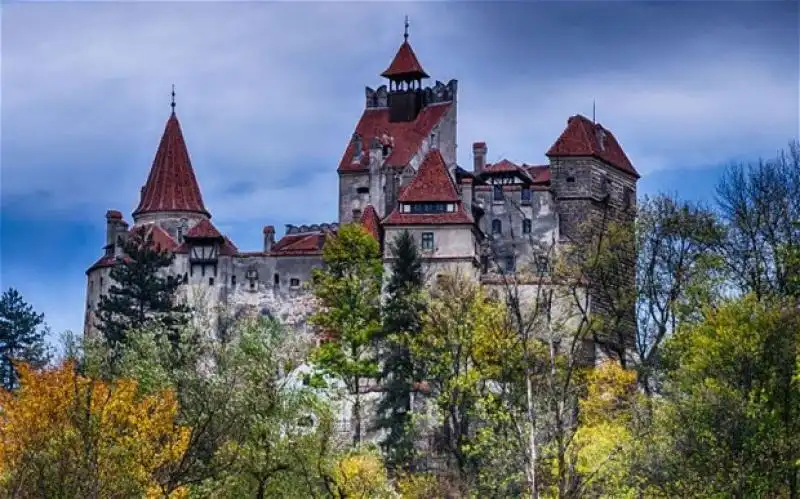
(405, 65)
(172, 104)
(171, 185)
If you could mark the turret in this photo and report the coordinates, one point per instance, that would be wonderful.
(115, 226)
(405, 75)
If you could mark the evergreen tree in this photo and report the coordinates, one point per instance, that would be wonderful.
(401, 318)
(21, 336)
(141, 292)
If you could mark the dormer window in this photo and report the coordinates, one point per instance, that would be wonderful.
(430, 208)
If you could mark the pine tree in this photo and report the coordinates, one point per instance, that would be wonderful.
(401, 318)
(21, 336)
(141, 293)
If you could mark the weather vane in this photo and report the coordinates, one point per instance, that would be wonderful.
(405, 33)
(172, 104)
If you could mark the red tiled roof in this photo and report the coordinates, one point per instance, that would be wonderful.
(431, 183)
(204, 229)
(162, 239)
(105, 262)
(503, 165)
(309, 243)
(580, 138)
(405, 64)
(458, 217)
(171, 185)
(408, 136)
(539, 173)
(371, 222)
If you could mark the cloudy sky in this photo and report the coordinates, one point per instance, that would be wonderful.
(269, 93)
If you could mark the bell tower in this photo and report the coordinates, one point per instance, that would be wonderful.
(405, 74)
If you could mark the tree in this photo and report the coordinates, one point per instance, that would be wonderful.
(141, 293)
(677, 269)
(21, 337)
(402, 318)
(65, 435)
(463, 340)
(728, 423)
(760, 205)
(349, 291)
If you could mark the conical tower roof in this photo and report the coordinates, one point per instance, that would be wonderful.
(171, 185)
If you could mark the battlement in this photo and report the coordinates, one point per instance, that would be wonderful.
(438, 93)
(305, 229)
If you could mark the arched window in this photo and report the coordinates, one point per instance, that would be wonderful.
(497, 226)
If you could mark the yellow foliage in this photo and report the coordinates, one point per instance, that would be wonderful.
(362, 475)
(80, 436)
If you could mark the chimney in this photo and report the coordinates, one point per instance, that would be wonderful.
(478, 157)
(113, 221)
(269, 238)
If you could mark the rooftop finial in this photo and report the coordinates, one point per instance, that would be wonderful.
(405, 32)
(172, 104)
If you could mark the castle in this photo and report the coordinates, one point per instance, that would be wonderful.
(398, 172)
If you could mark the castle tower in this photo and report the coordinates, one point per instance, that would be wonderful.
(171, 196)
(401, 123)
(405, 76)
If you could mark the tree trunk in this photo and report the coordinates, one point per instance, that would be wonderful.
(357, 413)
(532, 451)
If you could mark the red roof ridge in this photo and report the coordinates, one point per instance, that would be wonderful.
(431, 183)
(405, 64)
(171, 184)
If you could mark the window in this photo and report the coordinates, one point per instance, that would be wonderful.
(497, 226)
(429, 208)
(101, 282)
(526, 195)
(277, 280)
(526, 226)
(363, 190)
(91, 285)
(427, 240)
(233, 280)
(356, 214)
(510, 261)
(497, 192)
(185, 278)
(210, 281)
(294, 282)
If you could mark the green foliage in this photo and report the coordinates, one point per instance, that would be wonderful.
(21, 337)
(348, 289)
(402, 318)
(730, 422)
(140, 293)
(462, 334)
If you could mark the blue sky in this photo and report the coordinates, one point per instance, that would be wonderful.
(269, 94)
